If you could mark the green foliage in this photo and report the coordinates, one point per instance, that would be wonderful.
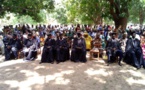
(85, 11)
(137, 12)
(60, 15)
(26, 7)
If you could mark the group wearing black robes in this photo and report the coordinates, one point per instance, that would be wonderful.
(78, 53)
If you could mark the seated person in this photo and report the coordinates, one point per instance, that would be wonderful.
(48, 54)
(133, 52)
(62, 49)
(16, 46)
(97, 45)
(78, 53)
(30, 48)
(113, 49)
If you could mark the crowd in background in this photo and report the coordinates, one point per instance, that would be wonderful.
(63, 42)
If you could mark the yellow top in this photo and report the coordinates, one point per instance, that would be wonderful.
(88, 40)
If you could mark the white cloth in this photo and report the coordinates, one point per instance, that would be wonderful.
(137, 37)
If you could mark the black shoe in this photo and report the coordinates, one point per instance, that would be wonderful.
(57, 62)
(138, 68)
(119, 64)
(107, 64)
(40, 62)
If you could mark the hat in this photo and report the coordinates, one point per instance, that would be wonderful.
(79, 34)
(113, 33)
(14, 35)
(49, 34)
(30, 34)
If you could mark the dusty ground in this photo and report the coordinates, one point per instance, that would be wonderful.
(94, 75)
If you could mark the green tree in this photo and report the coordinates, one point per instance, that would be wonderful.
(119, 9)
(137, 12)
(85, 11)
(26, 7)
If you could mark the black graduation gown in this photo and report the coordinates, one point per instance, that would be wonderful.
(78, 52)
(16, 45)
(133, 53)
(7, 42)
(47, 54)
(32, 45)
(62, 50)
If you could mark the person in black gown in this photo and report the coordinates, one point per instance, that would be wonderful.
(133, 52)
(16, 46)
(7, 48)
(62, 49)
(48, 50)
(114, 50)
(78, 53)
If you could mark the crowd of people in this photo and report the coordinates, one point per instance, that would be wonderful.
(62, 42)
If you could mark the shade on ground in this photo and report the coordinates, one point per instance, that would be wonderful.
(94, 75)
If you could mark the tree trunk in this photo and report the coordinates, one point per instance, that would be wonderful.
(121, 23)
(116, 11)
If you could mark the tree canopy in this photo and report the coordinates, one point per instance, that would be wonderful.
(79, 11)
(26, 7)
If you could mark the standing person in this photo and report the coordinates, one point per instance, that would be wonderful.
(88, 40)
(106, 31)
(7, 48)
(78, 53)
(47, 54)
(113, 48)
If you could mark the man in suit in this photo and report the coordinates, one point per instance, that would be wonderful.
(113, 48)
(133, 52)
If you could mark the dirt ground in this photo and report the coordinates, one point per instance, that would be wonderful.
(93, 75)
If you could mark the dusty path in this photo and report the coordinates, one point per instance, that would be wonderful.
(94, 75)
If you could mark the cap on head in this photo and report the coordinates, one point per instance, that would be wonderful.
(49, 34)
(79, 34)
(14, 35)
(30, 34)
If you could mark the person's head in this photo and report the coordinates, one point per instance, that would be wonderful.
(61, 36)
(49, 36)
(79, 35)
(85, 35)
(14, 36)
(113, 35)
(133, 34)
(124, 35)
(29, 36)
